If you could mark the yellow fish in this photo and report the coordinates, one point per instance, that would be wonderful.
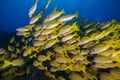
(99, 48)
(41, 37)
(62, 59)
(103, 59)
(54, 64)
(104, 65)
(84, 51)
(61, 78)
(68, 37)
(21, 33)
(47, 5)
(43, 58)
(59, 49)
(12, 39)
(38, 27)
(36, 18)
(68, 28)
(18, 62)
(39, 43)
(51, 43)
(37, 33)
(11, 48)
(74, 51)
(48, 31)
(84, 40)
(54, 15)
(89, 45)
(67, 17)
(75, 76)
(53, 36)
(26, 28)
(33, 9)
(73, 40)
(2, 51)
(28, 51)
(49, 74)
(51, 24)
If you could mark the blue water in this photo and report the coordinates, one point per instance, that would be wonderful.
(14, 13)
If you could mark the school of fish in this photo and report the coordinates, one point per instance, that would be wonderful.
(79, 50)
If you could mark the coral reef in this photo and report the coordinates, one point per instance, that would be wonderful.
(79, 50)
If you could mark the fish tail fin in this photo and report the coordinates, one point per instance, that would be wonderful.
(50, 0)
(57, 40)
(37, 1)
(48, 58)
(75, 34)
(63, 11)
(55, 8)
(76, 14)
(6, 64)
(77, 28)
(74, 24)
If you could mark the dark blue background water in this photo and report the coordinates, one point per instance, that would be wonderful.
(14, 13)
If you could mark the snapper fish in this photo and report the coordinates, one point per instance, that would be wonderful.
(54, 15)
(26, 28)
(74, 52)
(28, 51)
(73, 40)
(104, 65)
(33, 9)
(68, 28)
(75, 76)
(67, 17)
(50, 43)
(53, 36)
(49, 74)
(47, 5)
(89, 45)
(39, 43)
(99, 48)
(2, 51)
(16, 62)
(43, 58)
(47, 31)
(41, 37)
(61, 78)
(11, 48)
(59, 49)
(36, 17)
(103, 59)
(12, 39)
(38, 27)
(105, 25)
(54, 64)
(68, 37)
(84, 40)
(37, 33)
(23, 33)
(51, 24)
(62, 59)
